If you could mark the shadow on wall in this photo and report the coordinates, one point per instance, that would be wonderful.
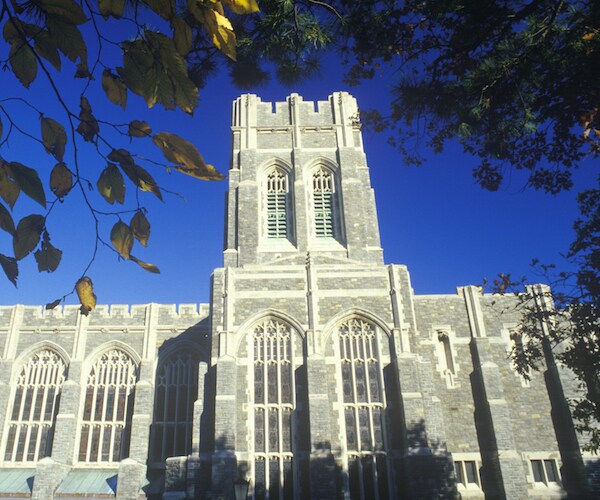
(427, 469)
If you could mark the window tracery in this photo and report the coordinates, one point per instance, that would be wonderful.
(274, 402)
(34, 408)
(324, 204)
(363, 402)
(108, 408)
(176, 392)
(277, 201)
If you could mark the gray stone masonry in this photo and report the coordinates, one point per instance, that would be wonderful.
(424, 380)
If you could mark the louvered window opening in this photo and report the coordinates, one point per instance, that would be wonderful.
(277, 196)
(323, 204)
(176, 392)
(35, 405)
(274, 403)
(108, 409)
(363, 410)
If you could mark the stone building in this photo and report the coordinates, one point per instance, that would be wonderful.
(315, 372)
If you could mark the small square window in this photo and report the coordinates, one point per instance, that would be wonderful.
(467, 473)
(545, 472)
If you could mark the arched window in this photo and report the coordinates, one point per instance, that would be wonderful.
(108, 408)
(176, 392)
(274, 402)
(277, 205)
(324, 204)
(34, 409)
(364, 402)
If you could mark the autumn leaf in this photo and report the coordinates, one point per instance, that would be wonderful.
(48, 257)
(27, 235)
(65, 9)
(187, 158)
(6, 220)
(219, 30)
(153, 69)
(139, 129)
(23, 62)
(28, 181)
(10, 268)
(114, 88)
(164, 8)
(122, 239)
(54, 138)
(140, 227)
(241, 6)
(111, 8)
(88, 126)
(111, 185)
(45, 46)
(52, 305)
(182, 35)
(87, 297)
(61, 180)
(140, 177)
(68, 39)
(9, 188)
(148, 267)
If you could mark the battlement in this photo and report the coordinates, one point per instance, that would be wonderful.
(68, 315)
(250, 111)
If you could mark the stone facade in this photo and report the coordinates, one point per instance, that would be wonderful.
(315, 372)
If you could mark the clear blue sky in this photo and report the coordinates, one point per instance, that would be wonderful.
(432, 218)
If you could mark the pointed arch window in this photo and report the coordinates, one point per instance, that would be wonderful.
(176, 392)
(108, 408)
(324, 204)
(364, 403)
(274, 402)
(277, 205)
(34, 407)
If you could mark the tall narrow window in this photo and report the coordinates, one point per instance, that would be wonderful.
(447, 358)
(108, 408)
(324, 204)
(277, 204)
(363, 410)
(274, 402)
(176, 392)
(34, 409)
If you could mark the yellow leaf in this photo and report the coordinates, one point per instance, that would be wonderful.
(139, 129)
(242, 6)
(87, 297)
(182, 35)
(114, 88)
(54, 138)
(61, 180)
(140, 227)
(111, 185)
(186, 156)
(151, 268)
(122, 239)
(220, 31)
